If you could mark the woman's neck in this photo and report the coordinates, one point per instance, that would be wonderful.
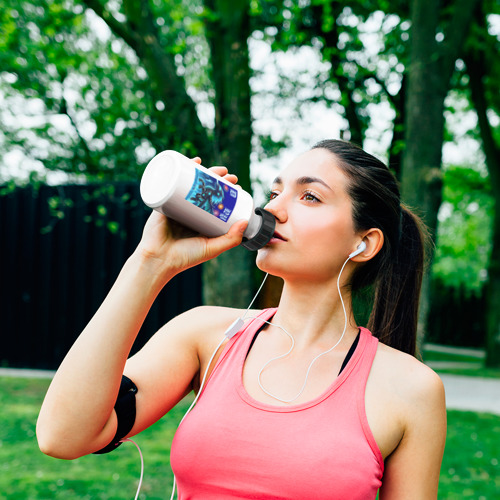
(314, 313)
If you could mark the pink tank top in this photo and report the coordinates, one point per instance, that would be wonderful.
(233, 447)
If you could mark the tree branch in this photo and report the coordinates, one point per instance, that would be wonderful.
(118, 28)
(141, 33)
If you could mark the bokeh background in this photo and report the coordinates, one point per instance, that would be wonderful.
(91, 90)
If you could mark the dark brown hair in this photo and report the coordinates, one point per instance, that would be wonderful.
(396, 271)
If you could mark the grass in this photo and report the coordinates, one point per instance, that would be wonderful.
(458, 364)
(470, 467)
(471, 463)
(25, 473)
(451, 357)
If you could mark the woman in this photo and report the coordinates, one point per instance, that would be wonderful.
(340, 416)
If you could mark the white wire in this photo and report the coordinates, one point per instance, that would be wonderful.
(255, 296)
(142, 466)
(293, 343)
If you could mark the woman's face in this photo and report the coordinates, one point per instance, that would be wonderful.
(314, 228)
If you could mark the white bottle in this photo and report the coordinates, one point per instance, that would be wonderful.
(201, 200)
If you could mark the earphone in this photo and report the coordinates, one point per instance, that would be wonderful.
(361, 248)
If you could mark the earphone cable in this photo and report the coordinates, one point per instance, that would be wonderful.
(255, 296)
(142, 466)
(197, 397)
(293, 343)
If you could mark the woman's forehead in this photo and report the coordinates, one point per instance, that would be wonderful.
(316, 163)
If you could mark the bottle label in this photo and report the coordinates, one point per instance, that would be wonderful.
(212, 195)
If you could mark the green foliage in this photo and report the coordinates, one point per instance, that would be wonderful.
(89, 104)
(77, 98)
(464, 235)
(268, 147)
(364, 43)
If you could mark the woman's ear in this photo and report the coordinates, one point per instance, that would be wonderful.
(374, 240)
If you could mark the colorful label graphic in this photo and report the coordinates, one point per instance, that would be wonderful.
(212, 195)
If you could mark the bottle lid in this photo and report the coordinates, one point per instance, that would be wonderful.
(265, 232)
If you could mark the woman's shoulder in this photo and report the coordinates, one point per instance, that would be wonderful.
(207, 326)
(206, 321)
(409, 379)
(216, 314)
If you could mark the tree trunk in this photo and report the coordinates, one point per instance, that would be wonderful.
(421, 179)
(228, 279)
(477, 68)
(396, 149)
(431, 66)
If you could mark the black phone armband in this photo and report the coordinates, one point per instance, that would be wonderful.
(125, 413)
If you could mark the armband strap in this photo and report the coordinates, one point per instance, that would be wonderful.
(125, 413)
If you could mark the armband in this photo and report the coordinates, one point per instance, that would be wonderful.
(125, 413)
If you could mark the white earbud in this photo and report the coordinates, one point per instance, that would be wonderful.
(361, 248)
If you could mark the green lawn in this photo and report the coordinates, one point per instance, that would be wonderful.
(470, 468)
(459, 364)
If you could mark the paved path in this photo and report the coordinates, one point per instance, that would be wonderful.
(472, 393)
(462, 392)
(26, 373)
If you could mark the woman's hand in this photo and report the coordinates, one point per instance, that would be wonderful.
(176, 248)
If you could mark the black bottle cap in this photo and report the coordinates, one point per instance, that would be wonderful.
(265, 232)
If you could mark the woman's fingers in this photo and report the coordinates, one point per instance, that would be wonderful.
(220, 171)
(223, 172)
(215, 246)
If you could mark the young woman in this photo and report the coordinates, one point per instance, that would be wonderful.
(342, 414)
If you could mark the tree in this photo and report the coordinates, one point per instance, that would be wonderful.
(228, 30)
(97, 111)
(134, 91)
(437, 36)
(127, 94)
(483, 70)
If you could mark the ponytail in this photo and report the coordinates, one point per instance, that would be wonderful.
(396, 272)
(394, 315)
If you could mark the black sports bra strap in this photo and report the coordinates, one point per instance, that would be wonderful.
(351, 352)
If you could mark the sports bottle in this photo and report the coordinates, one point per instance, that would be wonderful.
(179, 188)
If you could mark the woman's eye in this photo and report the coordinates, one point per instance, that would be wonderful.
(272, 195)
(310, 197)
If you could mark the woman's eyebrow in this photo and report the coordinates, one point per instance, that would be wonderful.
(304, 180)
(311, 180)
(301, 181)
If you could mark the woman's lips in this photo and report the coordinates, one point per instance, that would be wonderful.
(277, 237)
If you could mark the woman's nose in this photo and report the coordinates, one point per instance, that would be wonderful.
(276, 206)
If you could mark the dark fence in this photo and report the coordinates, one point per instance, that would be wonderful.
(457, 318)
(61, 249)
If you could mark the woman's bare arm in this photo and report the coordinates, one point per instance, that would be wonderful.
(77, 414)
(412, 470)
